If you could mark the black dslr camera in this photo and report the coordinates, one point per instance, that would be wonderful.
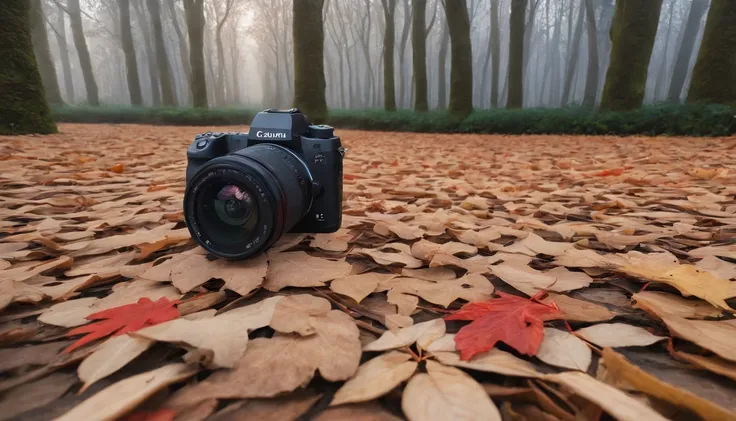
(245, 190)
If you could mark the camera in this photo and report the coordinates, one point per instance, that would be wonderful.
(245, 190)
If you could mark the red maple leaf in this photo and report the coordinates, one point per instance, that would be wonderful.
(515, 321)
(611, 172)
(123, 319)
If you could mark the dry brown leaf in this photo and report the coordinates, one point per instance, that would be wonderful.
(119, 398)
(336, 241)
(563, 349)
(717, 267)
(22, 273)
(446, 393)
(619, 367)
(715, 364)
(26, 397)
(298, 314)
(376, 377)
(402, 230)
(109, 357)
(360, 286)
(368, 411)
(579, 310)
(390, 254)
(312, 271)
(716, 336)
(426, 250)
(531, 282)
(620, 405)
(618, 335)
(493, 361)
(661, 304)
(471, 287)
(19, 292)
(284, 408)
(225, 335)
(430, 274)
(422, 333)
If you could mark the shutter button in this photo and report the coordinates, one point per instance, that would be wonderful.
(201, 144)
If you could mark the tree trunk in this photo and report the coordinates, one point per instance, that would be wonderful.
(516, 55)
(572, 62)
(495, 53)
(43, 54)
(591, 80)
(633, 31)
(168, 95)
(64, 55)
(155, 86)
(461, 59)
(419, 55)
(195, 28)
(442, 68)
(402, 52)
(714, 74)
(662, 73)
(131, 63)
(684, 54)
(309, 72)
(389, 90)
(220, 77)
(183, 47)
(23, 108)
(80, 43)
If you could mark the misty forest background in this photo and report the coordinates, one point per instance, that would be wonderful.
(595, 55)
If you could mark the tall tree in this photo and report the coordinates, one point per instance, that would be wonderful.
(43, 53)
(572, 62)
(220, 79)
(131, 63)
(195, 27)
(168, 94)
(461, 58)
(591, 80)
(714, 74)
(183, 47)
(80, 43)
(442, 66)
(419, 56)
(60, 30)
(685, 52)
(495, 42)
(633, 32)
(23, 108)
(389, 89)
(402, 49)
(309, 72)
(516, 55)
(155, 85)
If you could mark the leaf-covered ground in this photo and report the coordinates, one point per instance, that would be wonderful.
(594, 278)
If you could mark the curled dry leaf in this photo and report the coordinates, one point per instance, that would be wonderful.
(446, 393)
(225, 335)
(109, 357)
(579, 310)
(493, 361)
(283, 408)
(621, 368)
(402, 230)
(713, 363)
(618, 335)
(426, 250)
(471, 287)
(376, 377)
(312, 271)
(531, 282)
(716, 336)
(435, 274)
(360, 286)
(422, 333)
(563, 349)
(390, 254)
(619, 404)
(662, 304)
(119, 398)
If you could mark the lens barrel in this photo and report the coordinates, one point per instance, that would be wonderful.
(240, 204)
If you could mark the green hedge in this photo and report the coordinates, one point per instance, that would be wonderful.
(675, 120)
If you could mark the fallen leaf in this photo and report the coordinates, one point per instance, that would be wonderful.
(124, 319)
(716, 336)
(471, 287)
(618, 335)
(283, 408)
(391, 253)
(29, 396)
(579, 310)
(313, 271)
(661, 304)
(29, 355)
(109, 357)
(713, 363)
(435, 274)
(360, 286)
(531, 282)
(117, 168)
(619, 404)
(368, 411)
(423, 334)
(120, 397)
(513, 320)
(298, 314)
(402, 230)
(717, 267)
(336, 241)
(563, 349)
(446, 393)
(426, 250)
(493, 361)
(618, 366)
(375, 378)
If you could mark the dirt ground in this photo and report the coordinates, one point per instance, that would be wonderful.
(627, 245)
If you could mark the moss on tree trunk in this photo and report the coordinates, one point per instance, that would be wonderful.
(461, 58)
(23, 108)
(633, 32)
(309, 72)
(714, 75)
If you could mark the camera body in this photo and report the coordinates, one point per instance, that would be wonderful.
(287, 132)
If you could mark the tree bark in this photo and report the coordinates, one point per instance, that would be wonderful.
(572, 62)
(685, 52)
(714, 74)
(495, 53)
(24, 108)
(389, 89)
(168, 95)
(64, 54)
(419, 55)
(195, 27)
(659, 85)
(402, 52)
(591, 81)
(309, 73)
(155, 86)
(516, 55)
(40, 41)
(131, 63)
(461, 59)
(633, 31)
(80, 43)
(183, 47)
(442, 67)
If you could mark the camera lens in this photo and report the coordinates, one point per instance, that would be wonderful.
(238, 205)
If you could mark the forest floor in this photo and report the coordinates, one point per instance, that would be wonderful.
(626, 246)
